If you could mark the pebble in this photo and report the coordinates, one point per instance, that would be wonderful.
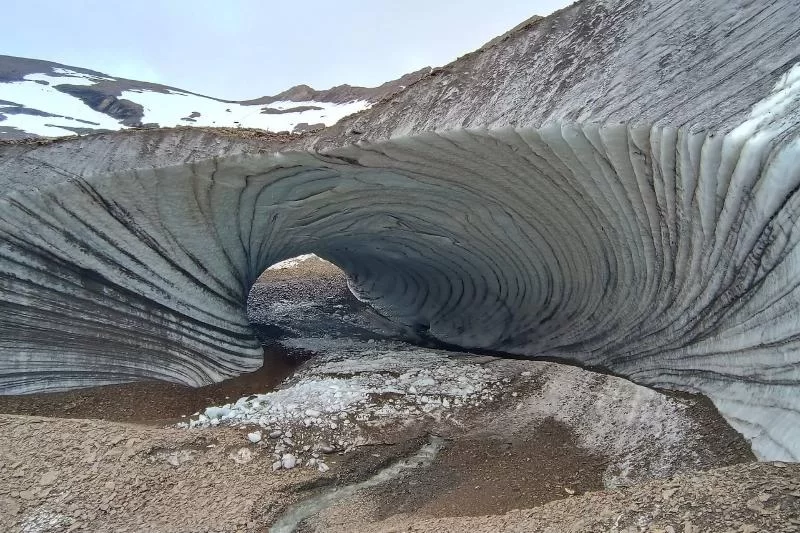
(254, 437)
(275, 434)
(242, 456)
(288, 461)
(48, 478)
(322, 467)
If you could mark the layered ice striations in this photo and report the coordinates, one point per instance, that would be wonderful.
(665, 255)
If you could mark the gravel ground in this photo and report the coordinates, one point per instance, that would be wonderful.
(91, 475)
(536, 446)
(310, 298)
(67, 475)
(748, 498)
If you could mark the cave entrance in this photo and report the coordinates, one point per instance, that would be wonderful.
(306, 297)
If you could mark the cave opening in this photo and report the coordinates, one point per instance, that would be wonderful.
(307, 296)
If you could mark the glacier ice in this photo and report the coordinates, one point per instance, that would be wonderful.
(667, 255)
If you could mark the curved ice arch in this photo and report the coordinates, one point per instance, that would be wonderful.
(666, 255)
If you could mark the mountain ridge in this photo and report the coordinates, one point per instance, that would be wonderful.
(116, 98)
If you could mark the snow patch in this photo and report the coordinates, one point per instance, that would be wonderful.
(294, 262)
(70, 72)
(46, 98)
(352, 387)
(169, 108)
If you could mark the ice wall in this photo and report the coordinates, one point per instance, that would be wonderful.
(666, 255)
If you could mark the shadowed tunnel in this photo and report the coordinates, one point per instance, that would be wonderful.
(665, 255)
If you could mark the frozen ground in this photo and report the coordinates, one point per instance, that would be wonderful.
(351, 390)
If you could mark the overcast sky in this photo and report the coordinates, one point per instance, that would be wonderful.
(240, 49)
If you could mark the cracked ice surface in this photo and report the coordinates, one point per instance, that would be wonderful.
(352, 379)
(354, 386)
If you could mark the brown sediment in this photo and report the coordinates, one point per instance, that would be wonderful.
(152, 402)
(474, 477)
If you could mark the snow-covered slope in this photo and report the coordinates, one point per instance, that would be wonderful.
(38, 98)
(34, 105)
(176, 108)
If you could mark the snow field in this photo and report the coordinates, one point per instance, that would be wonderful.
(46, 98)
(168, 109)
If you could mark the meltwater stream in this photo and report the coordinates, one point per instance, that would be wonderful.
(300, 511)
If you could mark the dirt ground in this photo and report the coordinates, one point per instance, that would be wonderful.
(475, 477)
(151, 402)
(72, 474)
(92, 475)
(746, 498)
(104, 459)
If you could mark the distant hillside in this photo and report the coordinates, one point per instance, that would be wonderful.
(45, 99)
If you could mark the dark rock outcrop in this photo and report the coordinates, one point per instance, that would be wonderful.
(127, 112)
(305, 127)
(298, 109)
